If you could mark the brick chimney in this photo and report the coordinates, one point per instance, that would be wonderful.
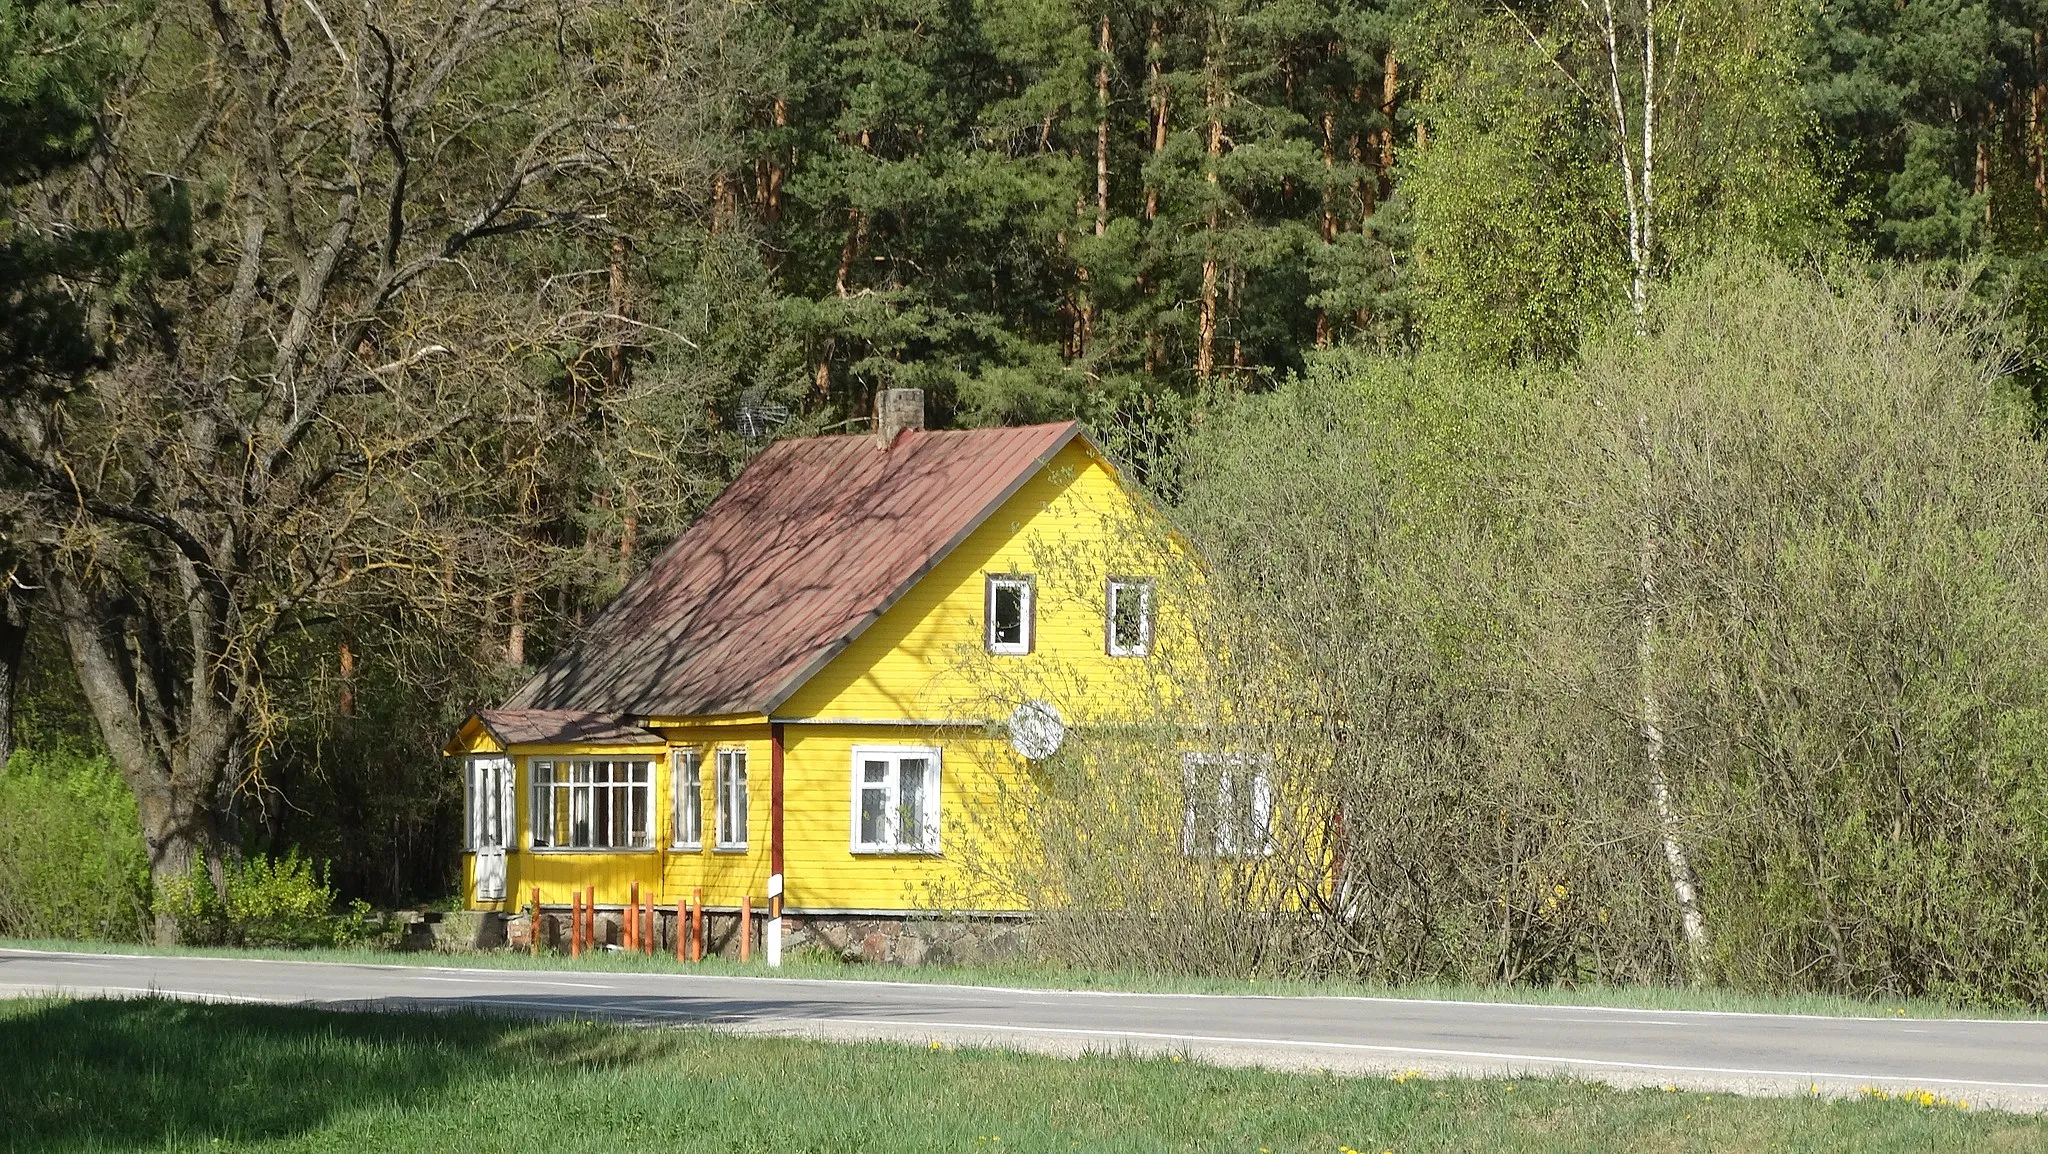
(895, 411)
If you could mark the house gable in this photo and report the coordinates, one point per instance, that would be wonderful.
(1069, 527)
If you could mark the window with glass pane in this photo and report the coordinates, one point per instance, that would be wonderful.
(1009, 612)
(1130, 617)
(487, 797)
(1229, 805)
(689, 787)
(896, 800)
(592, 804)
(732, 799)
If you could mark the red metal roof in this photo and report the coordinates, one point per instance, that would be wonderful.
(562, 726)
(813, 541)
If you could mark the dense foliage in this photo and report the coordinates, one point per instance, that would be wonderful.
(1797, 529)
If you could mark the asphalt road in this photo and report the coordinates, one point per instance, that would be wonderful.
(1986, 1062)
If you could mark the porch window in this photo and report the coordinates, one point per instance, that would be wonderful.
(1128, 629)
(1229, 805)
(487, 804)
(895, 799)
(732, 799)
(1009, 612)
(584, 803)
(689, 786)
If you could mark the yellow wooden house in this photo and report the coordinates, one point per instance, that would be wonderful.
(794, 703)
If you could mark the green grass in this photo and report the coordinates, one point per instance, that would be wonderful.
(814, 966)
(163, 1075)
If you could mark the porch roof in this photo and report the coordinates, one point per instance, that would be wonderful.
(563, 727)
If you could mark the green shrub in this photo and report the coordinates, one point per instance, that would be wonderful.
(270, 902)
(72, 863)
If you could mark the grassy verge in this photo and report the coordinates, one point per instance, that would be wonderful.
(157, 1075)
(1037, 976)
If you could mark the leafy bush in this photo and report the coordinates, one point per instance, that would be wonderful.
(270, 902)
(1751, 609)
(72, 863)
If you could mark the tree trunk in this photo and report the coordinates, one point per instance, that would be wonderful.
(1329, 229)
(515, 634)
(1205, 349)
(2037, 102)
(854, 227)
(1390, 87)
(1102, 131)
(1155, 56)
(1678, 864)
(615, 379)
(1980, 182)
(348, 678)
(772, 206)
(13, 642)
(174, 759)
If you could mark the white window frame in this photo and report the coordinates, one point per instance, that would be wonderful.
(1120, 587)
(1027, 634)
(686, 782)
(1209, 825)
(488, 814)
(589, 797)
(731, 786)
(892, 798)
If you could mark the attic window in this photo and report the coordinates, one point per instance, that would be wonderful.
(1128, 630)
(1010, 607)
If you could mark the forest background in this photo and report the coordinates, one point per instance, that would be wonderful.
(1627, 411)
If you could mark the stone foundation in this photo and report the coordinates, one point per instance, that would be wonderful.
(909, 940)
(450, 931)
(877, 939)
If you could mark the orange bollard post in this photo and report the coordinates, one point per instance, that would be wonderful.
(647, 926)
(575, 923)
(697, 924)
(632, 928)
(746, 926)
(590, 917)
(682, 923)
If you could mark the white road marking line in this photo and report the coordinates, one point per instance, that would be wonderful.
(1609, 1021)
(1487, 1055)
(505, 981)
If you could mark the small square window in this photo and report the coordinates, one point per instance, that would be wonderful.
(1009, 610)
(1128, 630)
